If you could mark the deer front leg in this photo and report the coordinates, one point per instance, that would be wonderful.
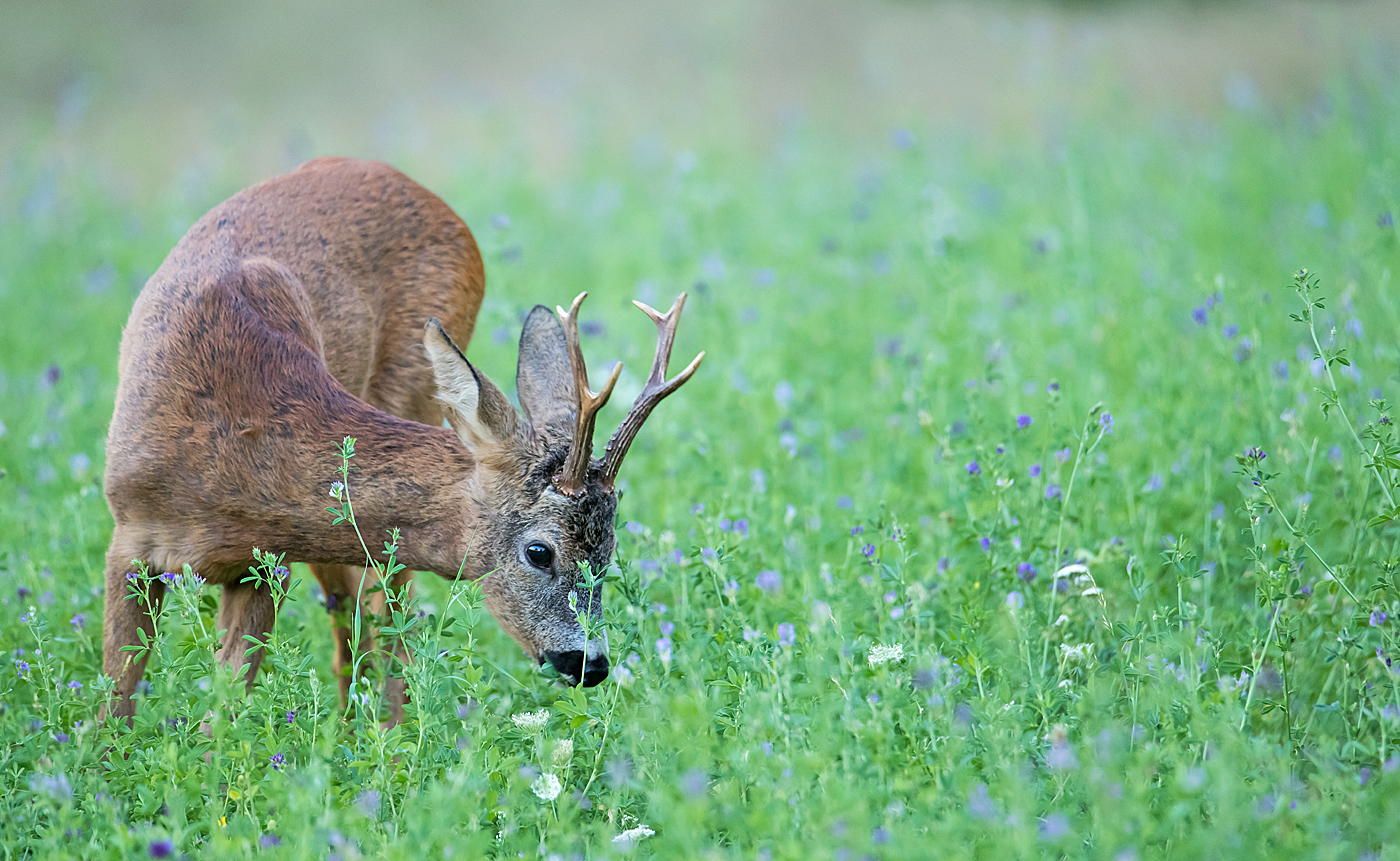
(129, 607)
(246, 609)
(395, 684)
(341, 584)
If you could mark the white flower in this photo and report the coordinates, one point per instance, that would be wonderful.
(1060, 621)
(885, 654)
(547, 787)
(1075, 653)
(627, 839)
(563, 751)
(531, 721)
(1066, 683)
(1076, 568)
(1092, 590)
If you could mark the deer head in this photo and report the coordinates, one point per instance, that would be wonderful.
(547, 506)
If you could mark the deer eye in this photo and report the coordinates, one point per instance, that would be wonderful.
(539, 555)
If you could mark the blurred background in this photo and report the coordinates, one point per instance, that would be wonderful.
(152, 94)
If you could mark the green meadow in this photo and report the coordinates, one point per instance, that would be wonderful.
(1030, 502)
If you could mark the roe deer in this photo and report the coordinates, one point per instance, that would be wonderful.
(330, 303)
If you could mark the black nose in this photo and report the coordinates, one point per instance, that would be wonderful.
(596, 671)
(571, 666)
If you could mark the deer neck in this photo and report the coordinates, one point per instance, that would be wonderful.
(417, 478)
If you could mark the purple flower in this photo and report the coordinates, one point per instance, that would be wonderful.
(787, 634)
(1052, 491)
(677, 557)
(880, 835)
(844, 502)
(76, 685)
(161, 848)
(667, 628)
(1254, 453)
(1052, 388)
(1001, 449)
(856, 530)
(1230, 330)
(985, 543)
(1053, 827)
(741, 527)
(697, 508)
(1378, 617)
(769, 581)
(278, 761)
(1154, 483)
(267, 841)
(974, 469)
(1281, 370)
(663, 650)
(980, 804)
(635, 528)
(79, 621)
(1061, 757)
(23, 669)
(1354, 327)
(291, 717)
(944, 563)
(1199, 314)
(1106, 422)
(709, 555)
(724, 524)
(25, 592)
(1023, 421)
(1064, 454)
(1026, 571)
(1035, 470)
(867, 550)
(1015, 600)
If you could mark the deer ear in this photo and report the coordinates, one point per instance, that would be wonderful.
(544, 380)
(476, 409)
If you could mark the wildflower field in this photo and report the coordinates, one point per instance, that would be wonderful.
(1031, 502)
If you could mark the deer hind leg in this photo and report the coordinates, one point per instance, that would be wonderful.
(129, 608)
(247, 609)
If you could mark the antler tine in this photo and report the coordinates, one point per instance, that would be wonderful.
(575, 472)
(657, 386)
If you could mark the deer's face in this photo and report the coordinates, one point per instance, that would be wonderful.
(543, 535)
(547, 555)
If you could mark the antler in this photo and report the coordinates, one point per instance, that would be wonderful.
(570, 479)
(656, 388)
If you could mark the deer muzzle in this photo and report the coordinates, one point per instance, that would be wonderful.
(576, 666)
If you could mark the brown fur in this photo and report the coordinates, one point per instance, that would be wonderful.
(292, 316)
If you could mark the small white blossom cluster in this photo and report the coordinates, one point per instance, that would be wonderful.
(563, 752)
(1075, 654)
(885, 654)
(531, 721)
(547, 787)
(627, 839)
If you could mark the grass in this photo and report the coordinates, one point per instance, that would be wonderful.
(838, 617)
